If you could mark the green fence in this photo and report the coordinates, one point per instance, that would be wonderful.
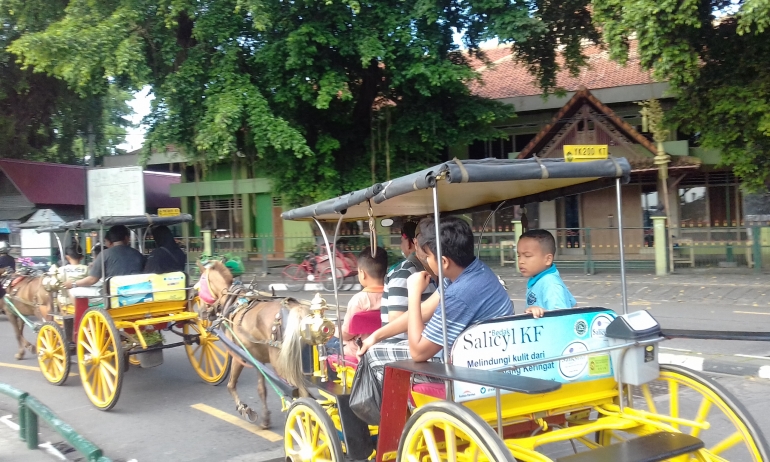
(31, 410)
(583, 249)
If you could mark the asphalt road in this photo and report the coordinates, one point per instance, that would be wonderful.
(167, 414)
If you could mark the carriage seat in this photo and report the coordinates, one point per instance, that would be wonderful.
(362, 323)
(142, 288)
(508, 340)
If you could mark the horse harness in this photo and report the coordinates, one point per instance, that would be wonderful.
(240, 301)
(10, 282)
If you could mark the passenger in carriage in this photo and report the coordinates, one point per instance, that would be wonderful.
(74, 269)
(371, 275)
(167, 256)
(395, 297)
(545, 289)
(119, 260)
(472, 294)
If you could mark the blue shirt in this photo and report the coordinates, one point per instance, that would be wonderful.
(548, 291)
(476, 295)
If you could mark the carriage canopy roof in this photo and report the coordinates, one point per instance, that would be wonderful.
(469, 185)
(137, 221)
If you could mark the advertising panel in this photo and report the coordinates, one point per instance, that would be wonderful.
(510, 341)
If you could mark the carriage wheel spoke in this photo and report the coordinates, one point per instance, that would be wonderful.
(451, 442)
(648, 398)
(209, 362)
(108, 380)
(673, 391)
(703, 413)
(727, 443)
(430, 443)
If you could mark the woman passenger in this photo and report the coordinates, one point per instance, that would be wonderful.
(167, 256)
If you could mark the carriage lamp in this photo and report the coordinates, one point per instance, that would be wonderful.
(315, 328)
(51, 281)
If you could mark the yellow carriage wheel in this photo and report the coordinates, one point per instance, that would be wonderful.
(210, 361)
(446, 431)
(53, 353)
(100, 359)
(309, 434)
(680, 392)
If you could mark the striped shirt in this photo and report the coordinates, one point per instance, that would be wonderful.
(476, 295)
(395, 297)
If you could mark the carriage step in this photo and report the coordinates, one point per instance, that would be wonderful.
(649, 448)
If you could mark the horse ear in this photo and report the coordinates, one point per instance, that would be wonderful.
(200, 267)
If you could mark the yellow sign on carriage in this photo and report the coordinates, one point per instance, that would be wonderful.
(172, 212)
(585, 152)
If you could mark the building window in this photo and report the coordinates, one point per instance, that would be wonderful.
(223, 216)
(693, 205)
(498, 148)
(572, 221)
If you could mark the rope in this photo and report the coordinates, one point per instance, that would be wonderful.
(254, 361)
(463, 171)
(544, 175)
(29, 324)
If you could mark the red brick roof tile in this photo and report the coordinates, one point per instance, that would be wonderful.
(508, 78)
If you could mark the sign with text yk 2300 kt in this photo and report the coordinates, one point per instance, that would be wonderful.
(585, 152)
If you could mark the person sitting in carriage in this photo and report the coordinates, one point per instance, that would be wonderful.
(167, 256)
(395, 297)
(119, 259)
(371, 275)
(546, 290)
(73, 269)
(472, 294)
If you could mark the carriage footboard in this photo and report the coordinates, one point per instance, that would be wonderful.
(716, 335)
(649, 448)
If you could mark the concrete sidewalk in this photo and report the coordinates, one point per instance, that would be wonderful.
(14, 449)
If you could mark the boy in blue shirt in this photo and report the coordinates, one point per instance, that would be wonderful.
(545, 289)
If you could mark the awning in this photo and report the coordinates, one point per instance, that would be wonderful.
(471, 185)
(43, 217)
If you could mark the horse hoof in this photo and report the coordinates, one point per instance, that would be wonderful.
(19, 356)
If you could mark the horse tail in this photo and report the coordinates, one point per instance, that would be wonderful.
(289, 363)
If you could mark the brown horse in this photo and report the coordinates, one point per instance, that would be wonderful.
(253, 325)
(30, 299)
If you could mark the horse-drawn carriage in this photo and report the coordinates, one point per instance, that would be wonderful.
(120, 323)
(518, 388)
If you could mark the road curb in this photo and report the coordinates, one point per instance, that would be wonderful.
(745, 366)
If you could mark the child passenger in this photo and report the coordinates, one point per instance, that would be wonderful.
(371, 275)
(545, 289)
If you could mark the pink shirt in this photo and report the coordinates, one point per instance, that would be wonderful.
(367, 300)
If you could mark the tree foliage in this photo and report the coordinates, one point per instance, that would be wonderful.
(714, 53)
(321, 96)
(40, 117)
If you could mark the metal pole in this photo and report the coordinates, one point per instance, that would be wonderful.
(618, 195)
(436, 217)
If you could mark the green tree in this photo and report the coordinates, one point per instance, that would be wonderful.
(40, 117)
(714, 53)
(320, 96)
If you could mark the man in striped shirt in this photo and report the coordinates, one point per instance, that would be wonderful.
(394, 297)
(472, 293)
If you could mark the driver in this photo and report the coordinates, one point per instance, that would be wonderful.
(119, 260)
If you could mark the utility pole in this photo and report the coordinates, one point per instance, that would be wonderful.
(652, 116)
